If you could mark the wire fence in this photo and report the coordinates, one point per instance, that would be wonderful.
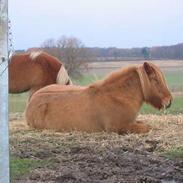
(11, 49)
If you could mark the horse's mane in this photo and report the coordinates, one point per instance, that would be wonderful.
(145, 83)
(34, 54)
(63, 77)
(114, 76)
(119, 74)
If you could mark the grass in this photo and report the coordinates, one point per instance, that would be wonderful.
(175, 81)
(87, 79)
(174, 153)
(20, 167)
(17, 102)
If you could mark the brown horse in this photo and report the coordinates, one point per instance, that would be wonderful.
(34, 70)
(109, 105)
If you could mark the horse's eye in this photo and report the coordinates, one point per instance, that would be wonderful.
(155, 80)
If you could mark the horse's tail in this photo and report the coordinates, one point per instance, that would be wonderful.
(63, 77)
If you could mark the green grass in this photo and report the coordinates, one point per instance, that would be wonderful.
(23, 166)
(175, 80)
(17, 102)
(174, 153)
(20, 167)
(87, 79)
(176, 108)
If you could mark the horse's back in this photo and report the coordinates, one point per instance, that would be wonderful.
(60, 88)
(59, 107)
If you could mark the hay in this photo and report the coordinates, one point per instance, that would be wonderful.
(166, 133)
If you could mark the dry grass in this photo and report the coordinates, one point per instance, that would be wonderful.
(166, 133)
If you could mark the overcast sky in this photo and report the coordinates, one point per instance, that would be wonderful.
(97, 23)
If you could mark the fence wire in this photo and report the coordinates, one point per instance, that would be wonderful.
(11, 49)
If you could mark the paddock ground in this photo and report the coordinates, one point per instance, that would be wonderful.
(48, 156)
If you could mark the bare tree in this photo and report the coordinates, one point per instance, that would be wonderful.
(49, 43)
(69, 50)
(50, 47)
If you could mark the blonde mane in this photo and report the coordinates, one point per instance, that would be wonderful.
(63, 77)
(35, 54)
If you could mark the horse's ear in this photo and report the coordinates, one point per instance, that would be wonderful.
(148, 68)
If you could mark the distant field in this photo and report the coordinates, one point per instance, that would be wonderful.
(17, 102)
(102, 68)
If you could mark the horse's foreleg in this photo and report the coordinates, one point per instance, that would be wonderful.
(136, 127)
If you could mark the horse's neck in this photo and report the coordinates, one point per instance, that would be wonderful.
(126, 86)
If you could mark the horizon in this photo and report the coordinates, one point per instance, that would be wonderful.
(108, 47)
(121, 24)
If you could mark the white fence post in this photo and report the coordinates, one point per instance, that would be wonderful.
(4, 135)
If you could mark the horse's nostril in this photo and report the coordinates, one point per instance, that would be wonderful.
(68, 82)
(170, 102)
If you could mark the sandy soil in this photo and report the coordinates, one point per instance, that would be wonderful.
(101, 157)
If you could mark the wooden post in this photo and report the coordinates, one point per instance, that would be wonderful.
(4, 135)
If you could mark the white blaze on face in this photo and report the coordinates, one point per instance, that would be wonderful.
(63, 77)
(35, 54)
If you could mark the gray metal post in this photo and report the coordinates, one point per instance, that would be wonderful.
(4, 135)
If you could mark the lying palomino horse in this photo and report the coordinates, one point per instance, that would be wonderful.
(109, 105)
(34, 70)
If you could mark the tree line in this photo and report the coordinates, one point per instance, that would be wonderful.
(159, 52)
(76, 55)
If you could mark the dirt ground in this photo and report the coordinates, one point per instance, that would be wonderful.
(101, 157)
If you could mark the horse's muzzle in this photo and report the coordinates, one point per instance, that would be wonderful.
(169, 104)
